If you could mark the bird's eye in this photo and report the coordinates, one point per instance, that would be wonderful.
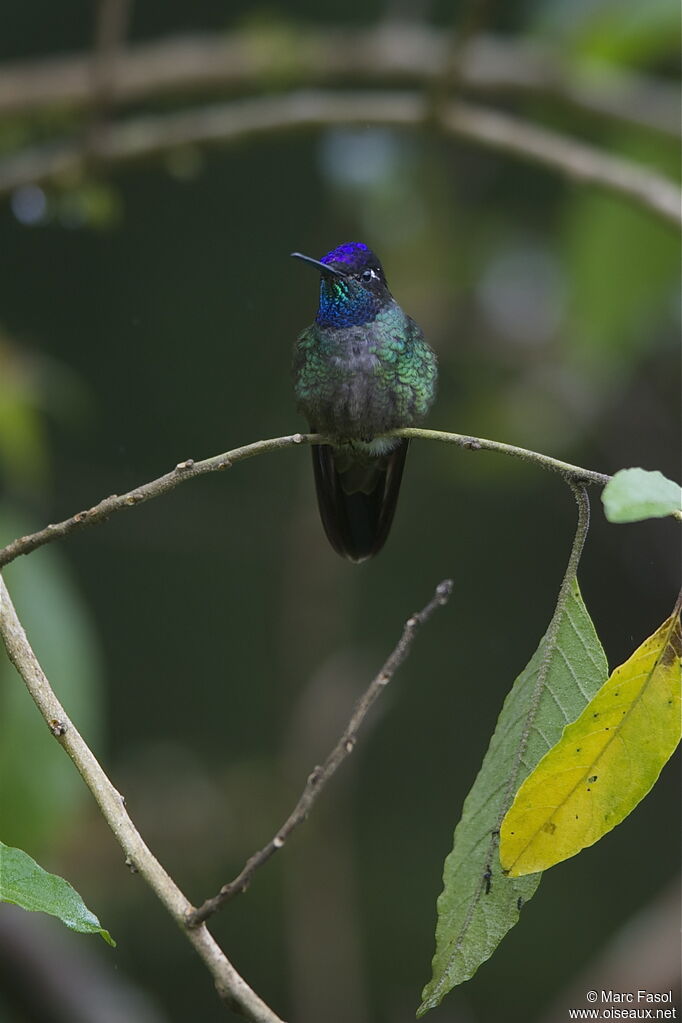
(367, 275)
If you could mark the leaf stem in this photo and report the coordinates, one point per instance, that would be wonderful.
(570, 575)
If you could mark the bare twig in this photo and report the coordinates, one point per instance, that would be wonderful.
(231, 987)
(116, 502)
(145, 137)
(571, 472)
(190, 470)
(402, 53)
(321, 774)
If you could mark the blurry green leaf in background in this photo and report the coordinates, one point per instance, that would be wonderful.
(40, 793)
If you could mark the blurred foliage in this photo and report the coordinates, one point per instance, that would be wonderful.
(41, 794)
(608, 309)
(22, 441)
(630, 33)
(33, 385)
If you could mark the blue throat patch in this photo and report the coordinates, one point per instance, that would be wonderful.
(342, 305)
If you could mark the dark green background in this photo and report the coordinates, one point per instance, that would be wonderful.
(155, 324)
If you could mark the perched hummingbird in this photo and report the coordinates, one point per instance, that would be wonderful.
(361, 369)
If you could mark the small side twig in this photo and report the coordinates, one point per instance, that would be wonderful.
(321, 774)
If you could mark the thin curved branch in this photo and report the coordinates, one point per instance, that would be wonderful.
(569, 471)
(116, 502)
(321, 775)
(190, 470)
(144, 137)
(401, 53)
(231, 987)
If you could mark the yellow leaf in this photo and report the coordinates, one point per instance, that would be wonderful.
(604, 763)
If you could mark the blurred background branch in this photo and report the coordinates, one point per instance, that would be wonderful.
(152, 136)
(395, 52)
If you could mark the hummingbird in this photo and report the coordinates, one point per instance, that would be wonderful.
(360, 370)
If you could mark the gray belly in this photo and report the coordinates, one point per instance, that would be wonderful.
(358, 399)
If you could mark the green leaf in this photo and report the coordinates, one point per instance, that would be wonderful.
(636, 494)
(626, 32)
(604, 763)
(24, 883)
(479, 904)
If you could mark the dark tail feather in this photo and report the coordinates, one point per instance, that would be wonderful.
(357, 523)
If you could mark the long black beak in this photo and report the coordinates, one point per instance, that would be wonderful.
(322, 267)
